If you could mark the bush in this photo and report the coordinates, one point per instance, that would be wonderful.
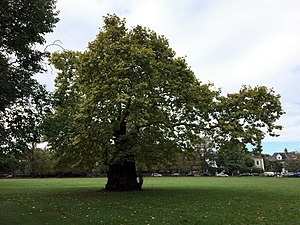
(251, 170)
(257, 170)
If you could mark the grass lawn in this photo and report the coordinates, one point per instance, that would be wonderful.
(182, 200)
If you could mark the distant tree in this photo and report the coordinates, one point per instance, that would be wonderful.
(273, 166)
(41, 162)
(128, 99)
(258, 148)
(206, 153)
(249, 162)
(231, 157)
(22, 123)
(8, 164)
(293, 165)
(23, 24)
(202, 153)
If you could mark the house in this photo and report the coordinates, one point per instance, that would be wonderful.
(258, 162)
(281, 157)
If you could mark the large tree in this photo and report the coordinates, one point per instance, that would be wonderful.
(23, 24)
(126, 98)
(129, 99)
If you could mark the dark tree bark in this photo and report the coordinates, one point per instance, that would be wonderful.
(123, 177)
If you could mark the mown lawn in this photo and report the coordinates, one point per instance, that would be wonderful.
(182, 200)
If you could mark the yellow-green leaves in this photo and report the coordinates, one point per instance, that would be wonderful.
(248, 115)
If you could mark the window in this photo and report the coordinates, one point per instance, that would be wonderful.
(279, 157)
(257, 162)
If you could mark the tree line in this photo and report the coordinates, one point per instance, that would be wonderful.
(43, 163)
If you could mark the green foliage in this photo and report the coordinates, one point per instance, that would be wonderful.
(251, 170)
(293, 165)
(23, 24)
(231, 157)
(249, 162)
(42, 162)
(22, 123)
(248, 116)
(8, 164)
(256, 170)
(273, 166)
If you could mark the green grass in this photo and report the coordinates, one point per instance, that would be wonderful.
(182, 200)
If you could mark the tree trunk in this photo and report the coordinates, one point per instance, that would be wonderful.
(123, 177)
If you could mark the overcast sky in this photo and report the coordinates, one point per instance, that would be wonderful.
(226, 42)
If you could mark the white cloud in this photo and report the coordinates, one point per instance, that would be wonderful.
(291, 121)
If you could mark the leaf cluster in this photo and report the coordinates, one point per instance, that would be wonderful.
(23, 24)
(248, 116)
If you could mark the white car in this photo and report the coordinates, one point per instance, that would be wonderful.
(222, 174)
(175, 174)
(156, 175)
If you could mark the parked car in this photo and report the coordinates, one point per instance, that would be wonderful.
(255, 174)
(190, 174)
(156, 175)
(295, 175)
(269, 174)
(206, 174)
(290, 174)
(222, 174)
(175, 174)
(245, 174)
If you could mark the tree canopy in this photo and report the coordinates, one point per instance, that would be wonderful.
(23, 24)
(129, 99)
